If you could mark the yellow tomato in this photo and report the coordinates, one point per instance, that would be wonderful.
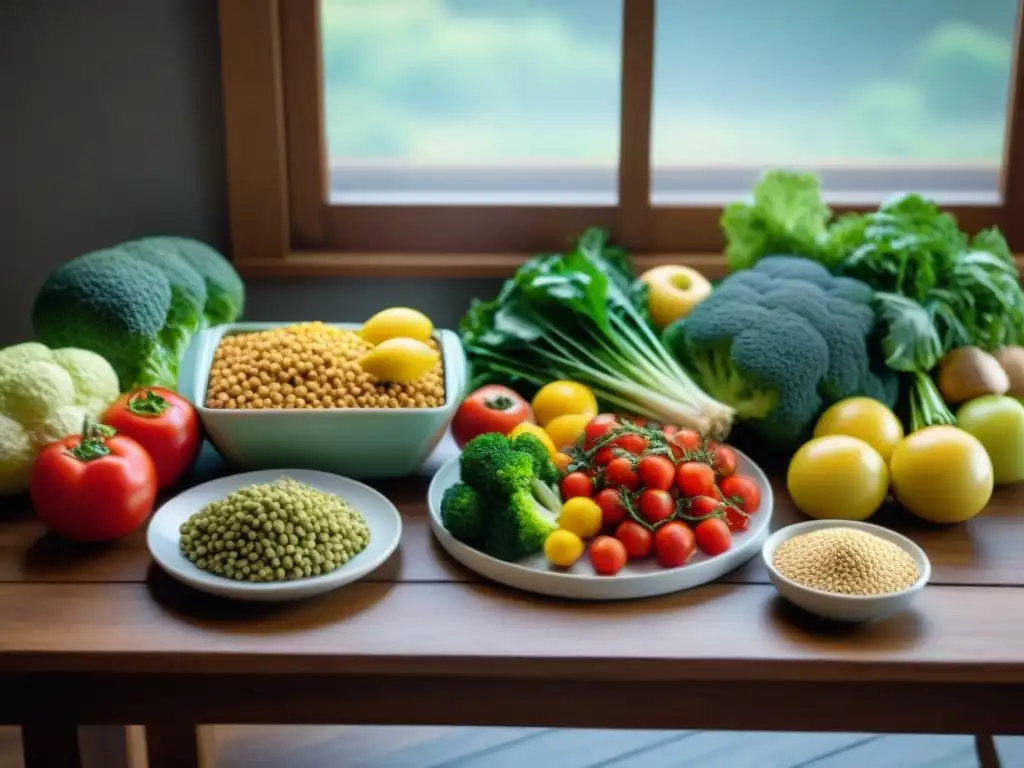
(942, 474)
(538, 432)
(582, 516)
(565, 429)
(561, 397)
(865, 418)
(837, 477)
(563, 548)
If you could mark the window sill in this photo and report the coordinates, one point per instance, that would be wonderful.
(435, 265)
(447, 265)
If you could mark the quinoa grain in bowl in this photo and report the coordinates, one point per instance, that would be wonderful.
(310, 365)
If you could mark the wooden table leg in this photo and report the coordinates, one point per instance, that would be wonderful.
(112, 746)
(988, 755)
(180, 746)
(50, 744)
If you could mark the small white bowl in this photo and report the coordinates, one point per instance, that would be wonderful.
(846, 608)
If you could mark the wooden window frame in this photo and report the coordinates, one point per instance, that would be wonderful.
(282, 223)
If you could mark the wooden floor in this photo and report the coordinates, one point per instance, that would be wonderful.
(389, 747)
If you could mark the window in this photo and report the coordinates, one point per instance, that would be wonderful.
(457, 137)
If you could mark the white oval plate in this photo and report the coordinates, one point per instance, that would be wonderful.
(382, 517)
(635, 580)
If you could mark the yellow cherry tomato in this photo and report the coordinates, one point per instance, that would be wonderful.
(538, 432)
(862, 417)
(582, 516)
(564, 430)
(563, 548)
(561, 397)
(942, 474)
(837, 477)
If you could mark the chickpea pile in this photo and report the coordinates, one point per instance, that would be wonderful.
(310, 365)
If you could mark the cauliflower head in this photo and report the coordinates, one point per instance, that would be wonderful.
(45, 396)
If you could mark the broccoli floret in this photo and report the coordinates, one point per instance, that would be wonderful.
(517, 509)
(518, 527)
(225, 291)
(461, 514)
(115, 306)
(543, 467)
(188, 290)
(781, 341)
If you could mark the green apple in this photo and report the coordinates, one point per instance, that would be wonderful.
(998, 422)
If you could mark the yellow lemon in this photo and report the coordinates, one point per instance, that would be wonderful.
(561, 397)
(538, 432)
(563, 548)
(397, 322)
(565, 429)
(582, 516)
(399, 360)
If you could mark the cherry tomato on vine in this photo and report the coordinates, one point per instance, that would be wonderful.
(656, 471)
(597, 427)
(577, 484)
(685, 441)
(702, 506)
(713, 536)
(694, 478)
(673, 544)
(613, 511)
(743, 492)
(607, 555)
(669, 431)
(630, 443)
(620, 474)
(655, 505)
(635, 538)
(736, 519)
(725, 460)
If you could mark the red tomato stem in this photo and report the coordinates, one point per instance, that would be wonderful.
(92, 445)
(147, 404)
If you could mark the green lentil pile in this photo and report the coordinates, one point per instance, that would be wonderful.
(274, 532)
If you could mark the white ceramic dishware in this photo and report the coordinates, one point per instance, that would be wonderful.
(846, 608)
(382, 518)
(635, 580)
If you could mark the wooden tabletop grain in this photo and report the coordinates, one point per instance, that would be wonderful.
(422, 629)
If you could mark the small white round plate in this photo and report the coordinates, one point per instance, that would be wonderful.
(635, 580)
(381, 516)
(846, 608)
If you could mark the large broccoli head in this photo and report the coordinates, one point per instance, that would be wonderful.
(188, 289)
(116, 306)
(781, 341)
(225, 291)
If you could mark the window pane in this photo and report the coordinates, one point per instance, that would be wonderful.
(878, 95)
(472, 100)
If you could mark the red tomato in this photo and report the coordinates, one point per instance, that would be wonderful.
(493, 408)
(634, 444)
(725, 460)
(673, 544)
(577, 484)
(669, 431)
(656, 472)
(743, 492)
(620, 474)
(702, 506)
(613, 511)
(736, 519)
(635, 538)
(597, 427)
(604, 456)
(713, 536)
(695, 478)
(656, 505)
(607, 555)
(93, 487)
(162, 422)
(718, 493)
(685, 441)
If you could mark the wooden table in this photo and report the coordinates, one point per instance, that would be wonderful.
(100, 637)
